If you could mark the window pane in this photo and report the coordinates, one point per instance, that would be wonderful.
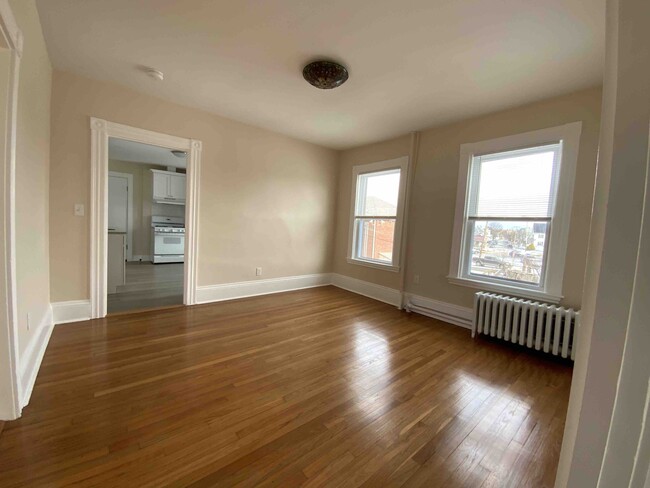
(375, 239)
(508, 250)
(514, 184)
(377, 193)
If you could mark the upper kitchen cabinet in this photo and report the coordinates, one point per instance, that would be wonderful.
(168, 187)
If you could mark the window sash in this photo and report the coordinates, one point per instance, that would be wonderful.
(476, 165)
(472, 215)
(361, 192)
(467, 249)
(358, 242)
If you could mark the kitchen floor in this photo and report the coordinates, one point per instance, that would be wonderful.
(148, 286)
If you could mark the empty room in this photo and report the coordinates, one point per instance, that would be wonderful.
(325, 244)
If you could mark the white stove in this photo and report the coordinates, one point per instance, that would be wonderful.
(168, 239)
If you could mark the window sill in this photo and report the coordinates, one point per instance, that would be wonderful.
(506, 289)
(370, 264)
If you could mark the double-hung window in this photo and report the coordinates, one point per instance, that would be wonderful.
(513, 212)
(376, 216)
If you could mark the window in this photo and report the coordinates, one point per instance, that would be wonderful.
(513, 211)
(376, 221)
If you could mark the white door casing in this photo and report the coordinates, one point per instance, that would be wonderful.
(11, 389)
(101, 130)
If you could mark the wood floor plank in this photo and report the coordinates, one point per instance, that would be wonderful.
(313, 388)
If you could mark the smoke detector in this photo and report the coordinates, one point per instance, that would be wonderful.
(155, 74)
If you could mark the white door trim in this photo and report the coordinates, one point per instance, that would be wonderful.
(101, 130)
(12, 39)
(129, 214)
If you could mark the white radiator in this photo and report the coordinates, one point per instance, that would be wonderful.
(528, 323)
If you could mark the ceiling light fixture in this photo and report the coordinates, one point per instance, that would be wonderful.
(178, 153)
(325, 74)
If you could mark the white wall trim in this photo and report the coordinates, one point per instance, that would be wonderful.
(243, 289)
(10, 406)
(101, 130)
(30, 361)
(367, 289)
(447, 312)
(72, 311)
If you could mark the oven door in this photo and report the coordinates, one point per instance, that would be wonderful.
(169, 244)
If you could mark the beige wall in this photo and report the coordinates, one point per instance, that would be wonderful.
(266, 199)
(32, 175)
(434, 193)
(382, 151)
(143, 205)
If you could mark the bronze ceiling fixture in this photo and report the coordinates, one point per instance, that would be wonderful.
(325, 74)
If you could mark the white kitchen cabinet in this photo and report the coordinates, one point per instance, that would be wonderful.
(177, 186)
(168, 187)
(160, 185)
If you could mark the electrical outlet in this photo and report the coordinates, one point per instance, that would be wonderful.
(29, 321)
(416, 279)
(258, 271)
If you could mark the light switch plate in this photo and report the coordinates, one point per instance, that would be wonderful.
(79, 209)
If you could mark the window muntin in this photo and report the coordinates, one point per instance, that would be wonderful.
(375, 216)
(510, 209)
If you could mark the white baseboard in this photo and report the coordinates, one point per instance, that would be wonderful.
(72, 311)
(77, 310)
(365, 288)
(243, 289)
(447, 312)
(30, 360)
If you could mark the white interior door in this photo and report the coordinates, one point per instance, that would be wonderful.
(118, 204)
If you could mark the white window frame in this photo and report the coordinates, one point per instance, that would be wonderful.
(550, 288)
(362, 169)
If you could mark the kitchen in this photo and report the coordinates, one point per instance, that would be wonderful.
(146, 226)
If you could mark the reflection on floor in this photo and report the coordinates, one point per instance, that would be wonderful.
(148, 286)
(316, 387)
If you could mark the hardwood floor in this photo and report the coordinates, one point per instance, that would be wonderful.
(318, 387)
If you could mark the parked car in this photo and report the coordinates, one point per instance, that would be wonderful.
(488, 261)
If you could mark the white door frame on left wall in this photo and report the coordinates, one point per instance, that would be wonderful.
(11, 406)
(101, 130)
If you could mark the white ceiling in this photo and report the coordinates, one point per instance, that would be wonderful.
(137, 152)
(412, 63)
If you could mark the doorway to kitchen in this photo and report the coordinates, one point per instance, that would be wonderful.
(146, 226)
(143, 219)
